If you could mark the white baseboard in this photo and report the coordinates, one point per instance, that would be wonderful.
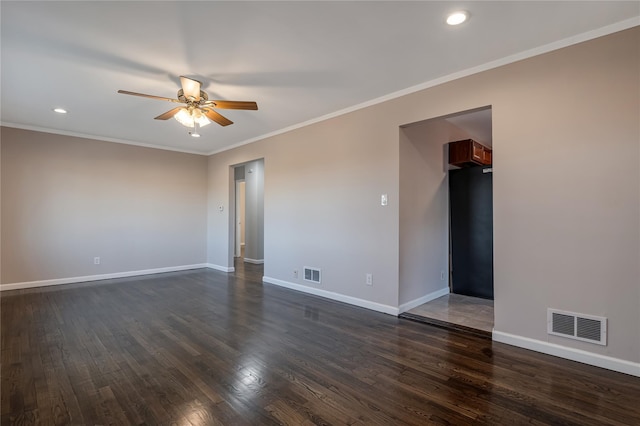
(256, 261)
(59, 281)
(386, 309)
(424, 299)
(220, 268)
(602, 361)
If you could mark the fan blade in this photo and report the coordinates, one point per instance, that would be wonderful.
(214, 116)
(167, 115)
(125, 92)
(190, 88)
(234, 104)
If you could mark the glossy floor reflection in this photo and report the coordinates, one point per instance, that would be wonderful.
(204, 347)
(249, 271)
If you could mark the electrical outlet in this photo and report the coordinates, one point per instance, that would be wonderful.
(96, 260)
(295, 273)
(369, 279)
(442, 276)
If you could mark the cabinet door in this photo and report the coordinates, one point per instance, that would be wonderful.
(478, 152)
(486, 157)
(460, 152)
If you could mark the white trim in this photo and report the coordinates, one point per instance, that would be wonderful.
(98, 138)
(569, 41)
(602, 361)
(71, 280)
(424, 299)
(386, 309)
(256, 261)
(220, 268)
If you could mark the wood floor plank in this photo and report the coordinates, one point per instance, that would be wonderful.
(203, 347)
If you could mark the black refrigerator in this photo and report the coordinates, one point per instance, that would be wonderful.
(471, 224)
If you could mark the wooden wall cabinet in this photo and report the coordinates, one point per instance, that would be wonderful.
(468, 152)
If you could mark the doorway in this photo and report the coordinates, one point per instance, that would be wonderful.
(429, 254)
(247, 198)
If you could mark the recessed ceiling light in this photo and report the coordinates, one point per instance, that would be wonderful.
(60, 110)
(457, 18)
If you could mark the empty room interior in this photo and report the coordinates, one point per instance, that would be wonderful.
(314, 212)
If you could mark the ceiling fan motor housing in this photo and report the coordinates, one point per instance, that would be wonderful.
(203, 97)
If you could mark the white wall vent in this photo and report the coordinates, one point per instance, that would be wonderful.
(312, 274)
(587, 328)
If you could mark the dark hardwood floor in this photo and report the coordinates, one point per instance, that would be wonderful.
(206, 348)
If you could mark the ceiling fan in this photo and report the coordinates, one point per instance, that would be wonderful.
(198, 110)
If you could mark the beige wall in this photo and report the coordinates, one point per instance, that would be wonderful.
(242, 207)
(254, 211)
(566, 191)
(66, 200)
(321, 208)
(566, 188)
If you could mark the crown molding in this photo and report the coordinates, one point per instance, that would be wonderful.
(550, 47)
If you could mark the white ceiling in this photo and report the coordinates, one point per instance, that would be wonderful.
(298, 60)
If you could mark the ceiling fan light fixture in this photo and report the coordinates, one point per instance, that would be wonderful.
(188, 119)
(184, 117)
(200, 118)
(198, 109)
(457, 17)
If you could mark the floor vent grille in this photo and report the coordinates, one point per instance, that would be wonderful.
(312, 274)
(587, 328)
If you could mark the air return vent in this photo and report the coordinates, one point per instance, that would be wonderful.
(312, 274)
(577, 326)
